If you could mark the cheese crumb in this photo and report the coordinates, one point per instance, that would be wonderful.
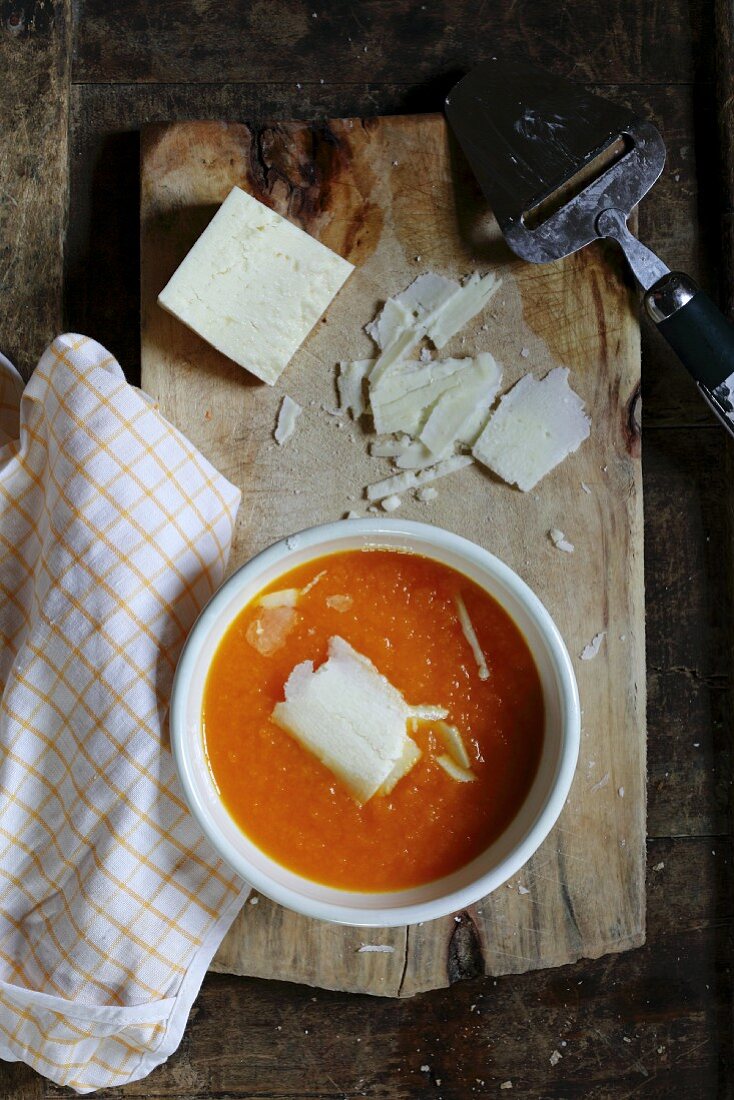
(288, 414)
(339, 603)
(560, 541)
(426, 494)
(391, 503)
(555, 1057)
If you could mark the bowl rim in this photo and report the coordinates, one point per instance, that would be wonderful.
(320, 536)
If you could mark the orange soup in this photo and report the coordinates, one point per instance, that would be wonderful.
(400, 611)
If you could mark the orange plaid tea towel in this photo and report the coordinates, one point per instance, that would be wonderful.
(114, 531)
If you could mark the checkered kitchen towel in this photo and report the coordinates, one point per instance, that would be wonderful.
(113, 533)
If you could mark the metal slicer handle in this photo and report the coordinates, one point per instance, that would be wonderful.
(701, 336)
(699, 333)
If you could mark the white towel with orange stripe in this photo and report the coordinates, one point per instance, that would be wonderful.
(114, 531)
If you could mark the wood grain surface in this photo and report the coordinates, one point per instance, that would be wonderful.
(395, 197)
(34, 106)
(384, 41)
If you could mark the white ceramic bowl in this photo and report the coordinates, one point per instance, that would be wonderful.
(496, 864)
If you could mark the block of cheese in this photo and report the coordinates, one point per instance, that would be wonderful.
(537, 424)
(352, 718)
(254, 285)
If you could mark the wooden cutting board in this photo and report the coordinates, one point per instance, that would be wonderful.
(394, 196)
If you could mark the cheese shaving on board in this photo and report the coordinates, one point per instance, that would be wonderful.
(456, 410)
(426, 495)
(388, 326)
(408, 389)
(438, 409)
(591, 650)
(471, 636)
(560, 541)
(410, 480)
(416, 456)
(432, 306)
(350, 385)
(442, 306)
(457, 310)
(288, 414)
(537, 424)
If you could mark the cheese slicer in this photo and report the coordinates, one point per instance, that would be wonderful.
(561, 168)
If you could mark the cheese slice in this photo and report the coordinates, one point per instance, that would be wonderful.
(452, 416)
(386, 328)
(537, 424)
(351, 718)
(254, 285)
(406, 392)
(455, 311)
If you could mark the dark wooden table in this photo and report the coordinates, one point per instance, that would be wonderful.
(655, 1022)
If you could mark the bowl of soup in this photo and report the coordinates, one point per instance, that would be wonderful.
(375, 722)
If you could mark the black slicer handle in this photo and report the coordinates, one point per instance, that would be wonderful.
(701, 336)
